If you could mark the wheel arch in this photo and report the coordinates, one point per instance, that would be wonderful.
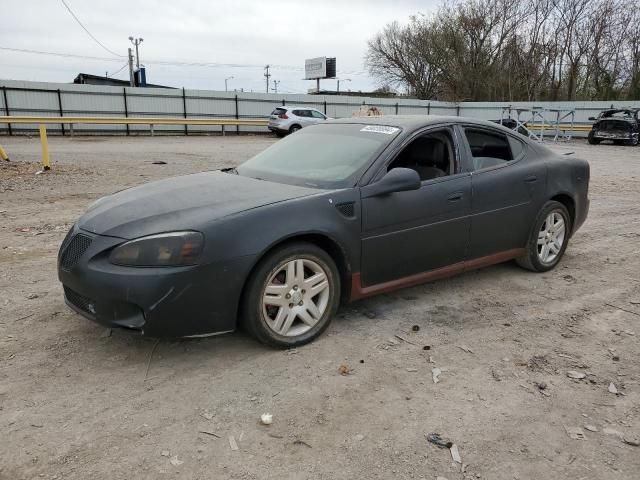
(330, 245)
(569, 203)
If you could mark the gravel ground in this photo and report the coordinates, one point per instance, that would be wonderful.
(78, 403)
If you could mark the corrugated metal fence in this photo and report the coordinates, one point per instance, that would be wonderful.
(61, 99)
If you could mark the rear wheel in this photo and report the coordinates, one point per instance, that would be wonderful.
(632, 142)
(292, 296)
(294, 128)
(549, 238)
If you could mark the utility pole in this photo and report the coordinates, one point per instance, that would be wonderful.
(136, 42)
(268, 75)
(131, 80)
(225, 83)
(345, 80)
(275, 85)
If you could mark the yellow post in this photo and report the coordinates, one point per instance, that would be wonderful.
(3, 154)
(46, 165)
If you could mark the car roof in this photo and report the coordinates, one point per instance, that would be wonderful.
(295, 107)
(413, 122)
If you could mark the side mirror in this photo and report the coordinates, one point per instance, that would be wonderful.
(592, 118)
(396, 180)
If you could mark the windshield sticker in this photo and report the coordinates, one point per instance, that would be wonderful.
(380, 129)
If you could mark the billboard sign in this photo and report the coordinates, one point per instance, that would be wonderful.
(320, 67)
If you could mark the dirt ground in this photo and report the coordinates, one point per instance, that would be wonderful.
(78, 403)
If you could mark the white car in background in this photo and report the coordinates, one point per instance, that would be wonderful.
(287, 119)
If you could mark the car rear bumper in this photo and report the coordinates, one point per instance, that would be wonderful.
(158, 302)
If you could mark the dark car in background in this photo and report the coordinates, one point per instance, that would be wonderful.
(513, 124)
(337, 212)
(621, 126)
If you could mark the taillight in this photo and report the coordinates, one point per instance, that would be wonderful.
(283, 116)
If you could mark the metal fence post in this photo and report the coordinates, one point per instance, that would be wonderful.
(457, 110)
(429, 108)
(60, 110)
(396, 108)
(184, 110)
(126, 109)
(237, 115)
(6, 106)
(325, 107)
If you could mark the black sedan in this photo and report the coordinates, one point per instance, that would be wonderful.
(334, 213)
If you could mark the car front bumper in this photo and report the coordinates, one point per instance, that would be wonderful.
(614, 135)
(158, 302)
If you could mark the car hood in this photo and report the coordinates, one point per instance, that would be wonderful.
(182, 203)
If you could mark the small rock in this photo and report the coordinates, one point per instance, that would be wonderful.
(175, 462)
(616, 358)
(591, 428)
(344, 369)
(541, 385)
(498, 374)
(266, 419)
(435, 374)
(359, 437)
(613, 433)
(416, 328)
(165, 453)
(32, 296)
(633, 441)
(575, 375)
(412, 370)
(208, 416)
(613, 389)
(455, 454)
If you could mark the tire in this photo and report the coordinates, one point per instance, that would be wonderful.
(297, 315)
(632, 142)
(535, 260)
(294, 128)
(591, 140)
(279, 134)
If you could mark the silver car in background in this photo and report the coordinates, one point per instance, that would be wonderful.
(284, 120)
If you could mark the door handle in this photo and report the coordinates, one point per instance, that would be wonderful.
(454, 197)
(531, 179)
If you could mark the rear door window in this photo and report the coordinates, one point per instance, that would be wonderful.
(488, 149)
(317, 114)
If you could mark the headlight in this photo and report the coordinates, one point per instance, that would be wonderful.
(164, 250)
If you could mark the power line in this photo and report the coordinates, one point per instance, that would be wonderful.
(118, 71)
(170, 62)
(87, 30)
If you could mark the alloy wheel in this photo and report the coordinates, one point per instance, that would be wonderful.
(551, 237)
(295, 297)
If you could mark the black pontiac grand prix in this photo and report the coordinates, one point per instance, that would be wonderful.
(334, 213)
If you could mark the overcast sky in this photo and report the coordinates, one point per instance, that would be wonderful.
(241, 32)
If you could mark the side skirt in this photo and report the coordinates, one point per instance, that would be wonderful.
(358, 291)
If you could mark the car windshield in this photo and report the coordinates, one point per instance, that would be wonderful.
(618, 114)
(322, 156)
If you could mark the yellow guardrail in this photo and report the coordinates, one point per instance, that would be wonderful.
(563, 127)
(151, 121)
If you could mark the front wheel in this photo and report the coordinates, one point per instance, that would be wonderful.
(549, 238)
(291, 296)
(592, 140)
